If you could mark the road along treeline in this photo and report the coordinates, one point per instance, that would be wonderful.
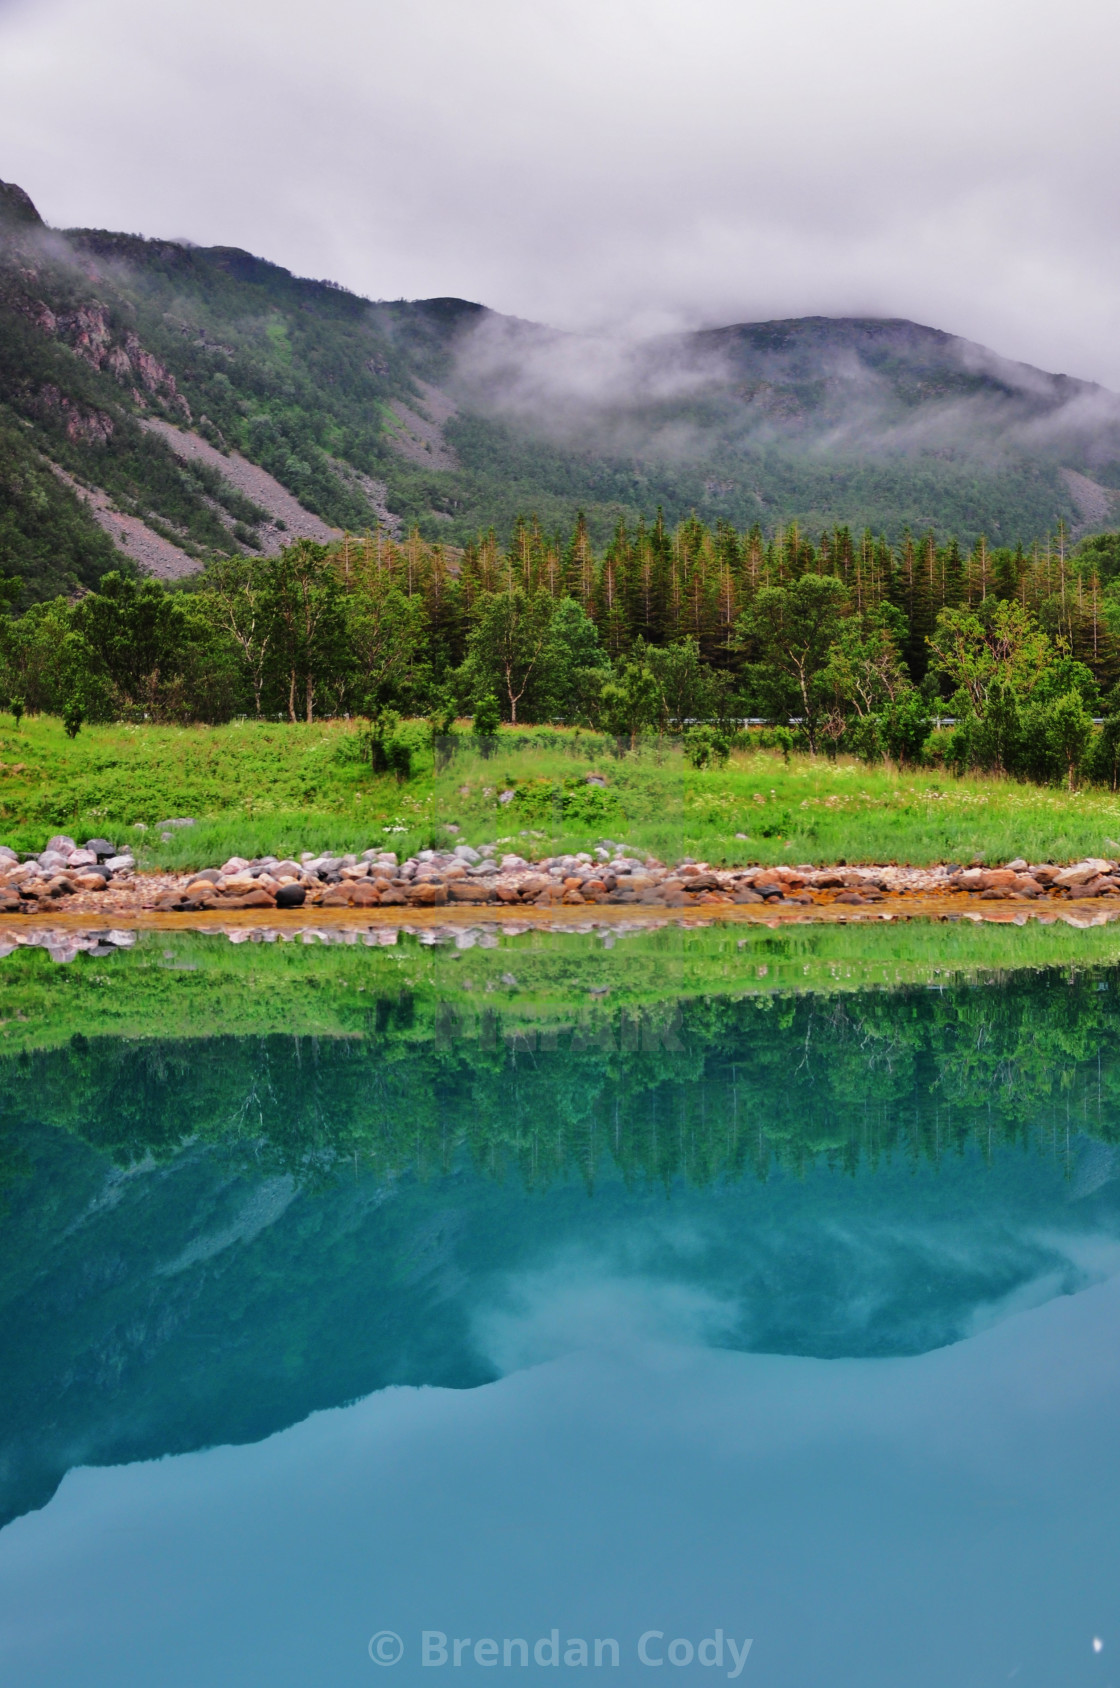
(843, 645)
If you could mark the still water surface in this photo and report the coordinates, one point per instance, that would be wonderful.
(792, 1320)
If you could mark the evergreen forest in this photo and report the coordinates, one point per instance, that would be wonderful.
(998, 659)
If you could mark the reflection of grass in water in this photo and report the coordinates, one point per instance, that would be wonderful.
(316, 989)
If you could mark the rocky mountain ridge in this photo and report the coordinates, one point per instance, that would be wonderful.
(167, 404)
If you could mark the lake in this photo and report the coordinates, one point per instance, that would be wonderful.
(546, 1305)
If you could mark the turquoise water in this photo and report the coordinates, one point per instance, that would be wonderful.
(797, 1327)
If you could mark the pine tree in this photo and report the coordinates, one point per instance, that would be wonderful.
(579, 567)
(519, 558)
(1092, 640)
(728, 590)
(443, 602)
(754, 563)
(911, 592)
(864, 570)
(953, 588)
(489, 566)
(613, 593)
(978, 579)
(843, 558)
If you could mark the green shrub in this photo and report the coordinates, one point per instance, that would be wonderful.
(487, 720)
(904, 727)
(570, 802)
(706, 747)
(864, 738)
(1102, 763)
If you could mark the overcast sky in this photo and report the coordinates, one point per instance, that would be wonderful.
(651, 163)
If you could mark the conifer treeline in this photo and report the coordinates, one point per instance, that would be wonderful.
(695, 582)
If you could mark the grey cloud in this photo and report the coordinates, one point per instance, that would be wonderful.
(844, 389)
(616, 389)
(640, 165)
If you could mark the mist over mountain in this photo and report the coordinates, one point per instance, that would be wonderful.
(170, 403)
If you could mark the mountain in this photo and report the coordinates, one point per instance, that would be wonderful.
(170, 403)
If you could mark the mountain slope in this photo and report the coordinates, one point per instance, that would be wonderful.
(883, 423)
(170, 404)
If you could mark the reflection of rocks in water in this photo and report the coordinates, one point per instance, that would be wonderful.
(65, 944)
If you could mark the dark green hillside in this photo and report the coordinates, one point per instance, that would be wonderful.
(1017, 500)
(99, 332)
(870, 423)
(46, 538)
(290, 372)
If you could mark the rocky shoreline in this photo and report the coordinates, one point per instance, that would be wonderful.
(96, 878)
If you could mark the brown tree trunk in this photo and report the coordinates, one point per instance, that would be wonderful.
(807, 718)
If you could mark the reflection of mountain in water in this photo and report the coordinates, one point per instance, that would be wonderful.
(206, 1241)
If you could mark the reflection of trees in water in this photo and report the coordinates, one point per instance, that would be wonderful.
(709, 1087)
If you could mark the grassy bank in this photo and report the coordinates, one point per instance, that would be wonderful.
(254, 788)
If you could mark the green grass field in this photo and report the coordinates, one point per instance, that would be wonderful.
(253, 788)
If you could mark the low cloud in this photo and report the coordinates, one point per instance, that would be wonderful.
(844, 389)
(643, 163)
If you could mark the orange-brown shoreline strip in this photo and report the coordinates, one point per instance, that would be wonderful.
(1089, 911)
